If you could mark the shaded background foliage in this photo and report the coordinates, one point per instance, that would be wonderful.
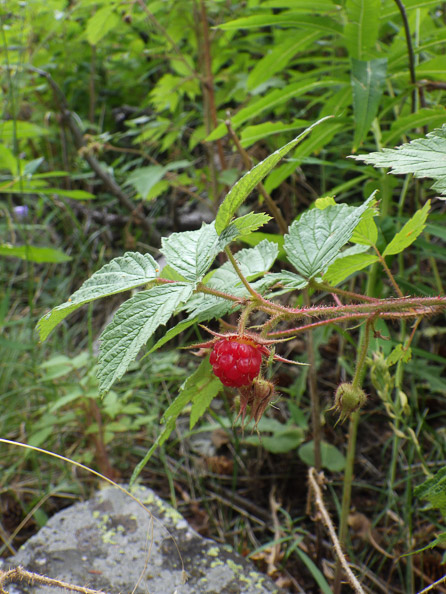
(112, 135)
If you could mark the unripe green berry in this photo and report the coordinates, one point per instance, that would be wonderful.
(348, 399)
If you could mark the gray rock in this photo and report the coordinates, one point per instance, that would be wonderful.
(112, 543)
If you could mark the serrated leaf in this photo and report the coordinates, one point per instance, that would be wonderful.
(121, 274)
(361, 30)
(344, 267)
(315, 240)
(434, 491)
(253, 262)
(399, 354)
(33, 253)
(103, 21)
(424, 157)
(368, 78)
(191, 253)
(133, 324)
(288, 279)
(409, 232)
(241, 190)
(243, 226)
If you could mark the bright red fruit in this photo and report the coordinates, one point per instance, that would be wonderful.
(235, 363)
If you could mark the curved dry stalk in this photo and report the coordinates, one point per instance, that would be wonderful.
(18, 574)
(315, 481)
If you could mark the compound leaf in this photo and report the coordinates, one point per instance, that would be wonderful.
(134, 323)
(121, 274)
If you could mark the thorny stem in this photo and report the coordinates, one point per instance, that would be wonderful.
(315, 480)
(342, 292)
(272, 206)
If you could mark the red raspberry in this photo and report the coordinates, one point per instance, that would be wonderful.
(235, 363)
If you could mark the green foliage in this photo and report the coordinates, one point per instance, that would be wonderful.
(315, 240)
(434, 491)
(117, 143)
(423, 157)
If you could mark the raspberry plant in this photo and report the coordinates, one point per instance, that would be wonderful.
(318, 260)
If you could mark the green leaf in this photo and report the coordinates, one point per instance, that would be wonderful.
(283, 19)
(181, 327)
(314, 570)
(424, 157)
(344, 267)
(368, 80)
(252, 134)
(19, 130)
(322, 203)
(288, 279)
(253, 262)
(315, 240)
(271, 100)
(244, 226)
(241, 190)
(332, 458)
(8, 161)
(434, 116)
(145, 178)
(199, 388)
(33, 253)
(121, 274)
(399, 353)
(162, 437)
(434, 491)
(278, 58)
(203, 386)
(191, 253)
(409, 232)
(366, 232)
(361, 30)
(283, 441)
(103, 21)
(133, 324)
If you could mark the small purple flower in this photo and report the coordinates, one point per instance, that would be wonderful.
(21, 212)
